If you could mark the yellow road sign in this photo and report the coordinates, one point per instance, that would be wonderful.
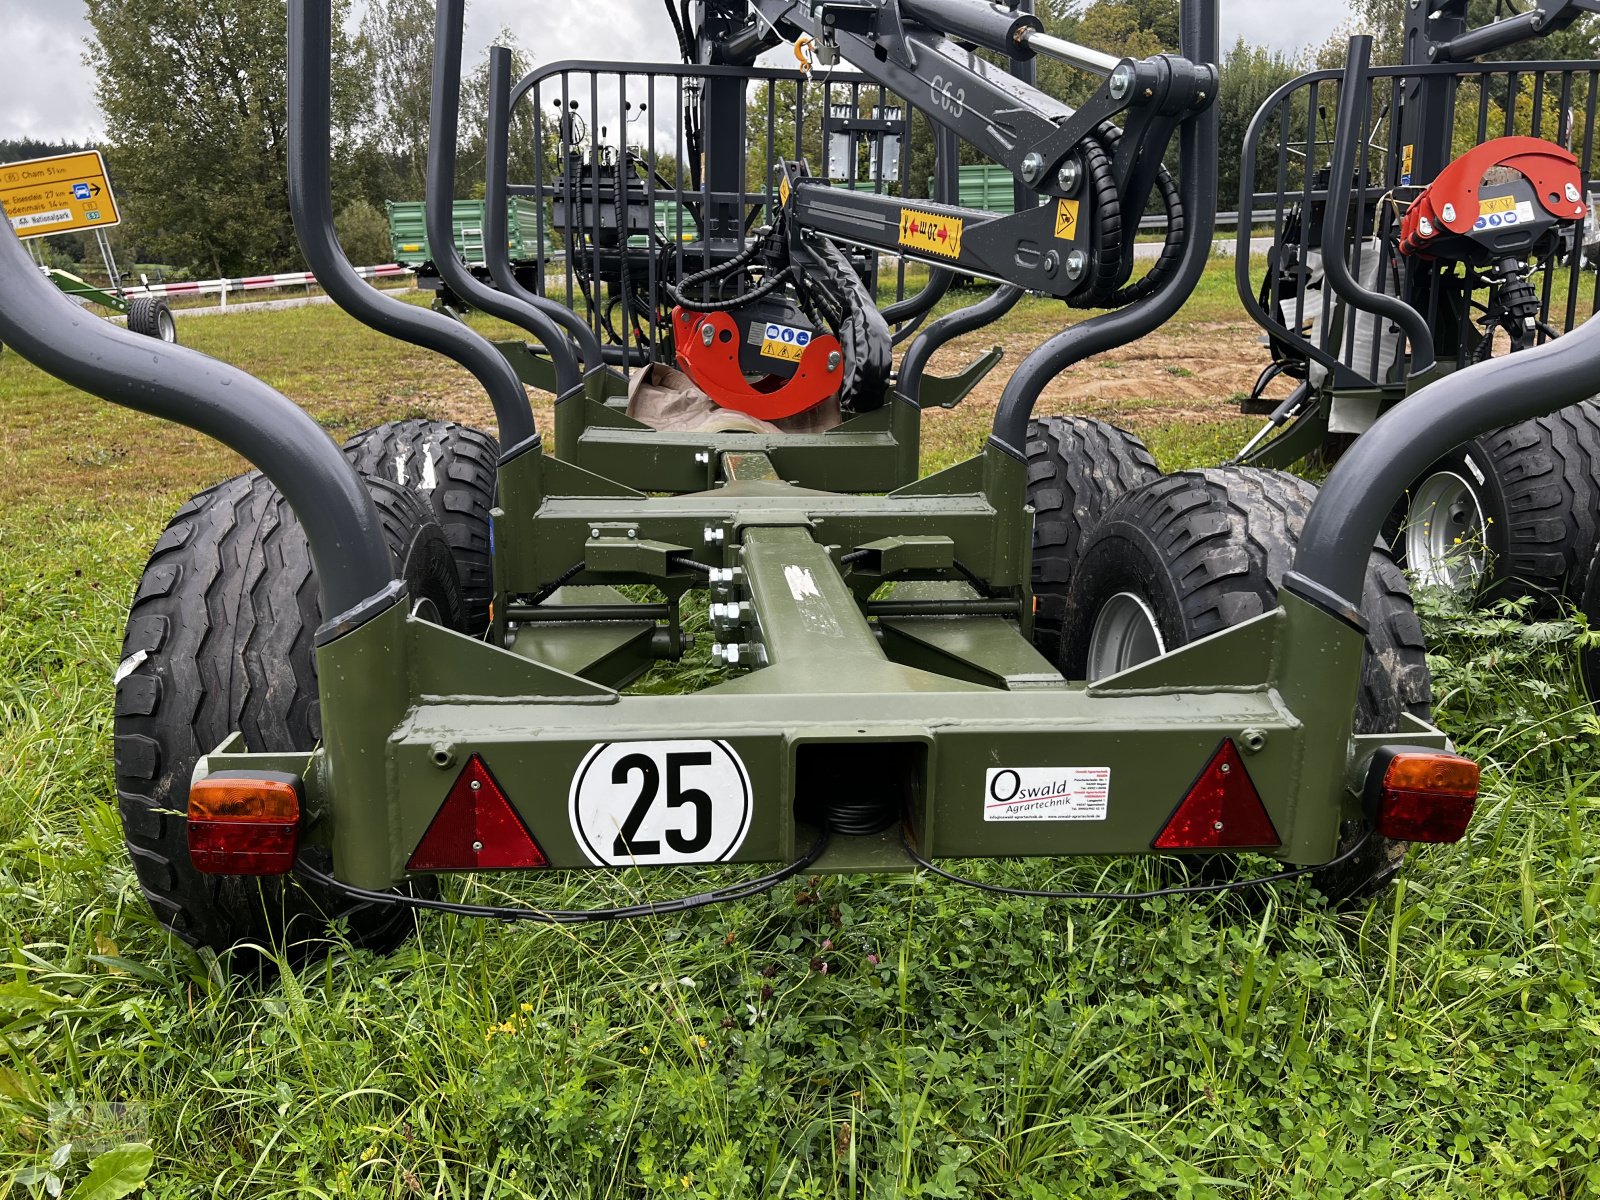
(63, 194)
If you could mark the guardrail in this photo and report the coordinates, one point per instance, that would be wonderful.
(256, 283)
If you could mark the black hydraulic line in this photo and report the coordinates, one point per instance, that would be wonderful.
(1198, 141)
(496, 235)
(946, 329)
(311, 205)
(444, 115)
(343, 529)
(1336, 217)
(582, 916)
(1362, 488)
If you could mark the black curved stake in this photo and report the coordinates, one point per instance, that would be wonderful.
(311, 205)
(354, 569)
(443, 117)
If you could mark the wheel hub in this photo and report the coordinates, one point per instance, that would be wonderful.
(1125, 634)
(1445, 534)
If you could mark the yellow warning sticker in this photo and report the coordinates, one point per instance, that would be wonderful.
(786, 342)
(931, 233)
(784, 350)
(1067, 220)
(1408, 159)
(784, 191)
(1497, 204)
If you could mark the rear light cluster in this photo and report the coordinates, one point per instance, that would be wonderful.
(1422, 795)
(245, 823)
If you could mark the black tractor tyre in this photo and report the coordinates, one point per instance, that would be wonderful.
(452, 468)
(1589, 657)
(220, 638)
(151, 316)
(1077, 469)
(1206, 550)
(1523, 501)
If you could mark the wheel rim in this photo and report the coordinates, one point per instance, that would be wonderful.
(1445, 533)
(1125, 634)
(166, 327)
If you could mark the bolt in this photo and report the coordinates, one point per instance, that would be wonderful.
(594, 531)
(1033, 167)
(835, 360)
(707, 334)
(477, 847)
(474, 785)
(1217, 825)
(1572, 192)
(1070, 176)
(1077, 264)
(1253, 740)
(1425, 227)
(1122, 81)
(1225, 768)
(633, 533)
(1449, 213)
(703, 456)
(715, 537)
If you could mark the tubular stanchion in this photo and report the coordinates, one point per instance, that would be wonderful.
(497, 196)
(311, 205)
(1336, 218)
(343, 530)
(443, 117)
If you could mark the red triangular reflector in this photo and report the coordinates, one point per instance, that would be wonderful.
(1223, 810)
(476, 829)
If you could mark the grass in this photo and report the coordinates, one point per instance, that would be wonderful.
(842, 1037)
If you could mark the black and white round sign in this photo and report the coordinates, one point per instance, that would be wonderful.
(655, 803)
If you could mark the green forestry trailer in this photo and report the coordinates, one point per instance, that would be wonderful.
(357, 670)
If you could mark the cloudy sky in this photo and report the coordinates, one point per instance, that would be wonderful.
(50, 94)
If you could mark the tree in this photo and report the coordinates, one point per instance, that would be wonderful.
(1249, 75)
(195, 104)
(396, 47)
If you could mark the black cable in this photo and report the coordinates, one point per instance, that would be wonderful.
(855, 556)
(722, 303)
(550, 589)
(689, 564)
(1196, 889)
(582, 916)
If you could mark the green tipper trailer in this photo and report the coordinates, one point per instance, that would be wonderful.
(408, 241)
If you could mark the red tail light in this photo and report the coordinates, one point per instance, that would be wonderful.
(1423, 795)
(244, 823)
(1223, 810)
(476, 829)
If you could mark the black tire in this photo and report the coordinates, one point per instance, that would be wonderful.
(456, 478)
(1529, 494)
(1077, 469)
(220, 638)
(151, 316)
(1207, 550)
(1589, 658)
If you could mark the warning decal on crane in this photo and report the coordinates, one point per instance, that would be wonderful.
(930, 233)
(1067, 220)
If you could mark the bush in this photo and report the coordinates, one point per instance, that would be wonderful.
(364, 233)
